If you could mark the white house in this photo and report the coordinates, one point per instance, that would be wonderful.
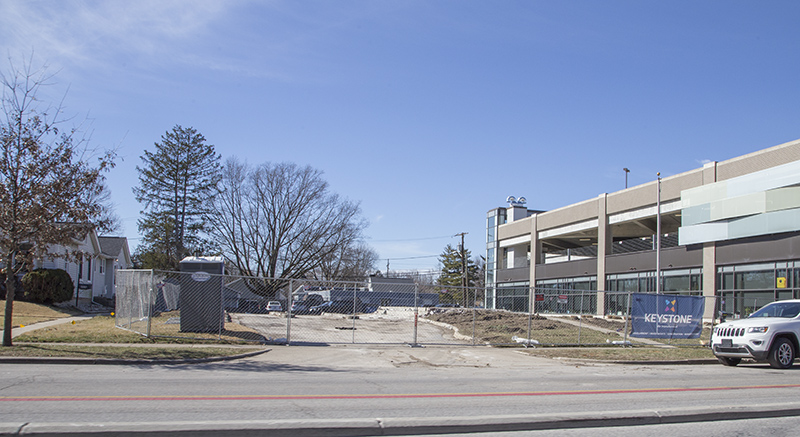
(94, 271)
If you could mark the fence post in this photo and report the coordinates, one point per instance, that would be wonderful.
(130, 301)
(416, 314)
(627, 316)
(149, 312)
(713, 319)
(580, 320)
(289, 312)
(353, 315)
(222, 304)
(531, 304)
(466, 291)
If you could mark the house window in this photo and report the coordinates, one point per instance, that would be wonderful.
(89, 269)
(101, 266)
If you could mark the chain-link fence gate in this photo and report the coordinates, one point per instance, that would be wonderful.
(376, 311)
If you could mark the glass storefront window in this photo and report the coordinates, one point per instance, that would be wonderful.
(746, 288)
(512, 297)
(684, 280)
(754, 280)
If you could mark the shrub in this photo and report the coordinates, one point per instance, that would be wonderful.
(17, 285)
(47, 286)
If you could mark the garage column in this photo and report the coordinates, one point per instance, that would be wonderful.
(604, 246)
(709, 254)
(536, 258)
(709, 278)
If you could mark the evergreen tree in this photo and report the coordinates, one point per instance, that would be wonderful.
(175, 182)
(452, 262)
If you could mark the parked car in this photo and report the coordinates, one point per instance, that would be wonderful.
(274, 305)
(770, 334)
(301, 308)
(342, 307)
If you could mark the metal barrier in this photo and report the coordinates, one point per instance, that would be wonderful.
(301, 311)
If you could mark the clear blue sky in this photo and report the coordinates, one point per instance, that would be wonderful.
(429, 113)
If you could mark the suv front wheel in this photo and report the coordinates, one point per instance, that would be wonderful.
(781, 355)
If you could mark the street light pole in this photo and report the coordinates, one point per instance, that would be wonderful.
(658, 236)
(626, 176)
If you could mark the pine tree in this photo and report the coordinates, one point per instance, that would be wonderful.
(175, 182)
(452, 261)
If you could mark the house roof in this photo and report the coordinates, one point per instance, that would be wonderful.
(111, 246)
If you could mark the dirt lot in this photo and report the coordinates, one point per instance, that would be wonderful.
(393, 325)
(500, 327)
(386, 326)
(503, 327)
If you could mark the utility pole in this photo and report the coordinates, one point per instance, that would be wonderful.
(463, 268)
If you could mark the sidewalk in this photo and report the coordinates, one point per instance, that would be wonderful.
(408, 426)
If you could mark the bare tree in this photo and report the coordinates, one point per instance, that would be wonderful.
(352, 263)
(280, 221)
(49, 189)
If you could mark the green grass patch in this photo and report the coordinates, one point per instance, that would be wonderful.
(27, 313)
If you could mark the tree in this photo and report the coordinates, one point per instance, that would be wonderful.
(49, 188)
(453, 261)
(353, 263)
(281, 221)
(175, 183)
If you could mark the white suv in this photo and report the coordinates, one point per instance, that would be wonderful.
(770, 334)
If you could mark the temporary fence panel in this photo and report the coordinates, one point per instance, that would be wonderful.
(300, 311)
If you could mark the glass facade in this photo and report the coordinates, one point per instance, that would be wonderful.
(494, 218)
(567, 295)
(747, 287)
(678, 281)
(688, 281)
(512, 296)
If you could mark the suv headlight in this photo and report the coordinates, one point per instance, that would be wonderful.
(757, 329)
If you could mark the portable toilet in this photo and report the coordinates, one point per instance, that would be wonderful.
(201, 298)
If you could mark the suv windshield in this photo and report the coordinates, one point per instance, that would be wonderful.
(787, 310)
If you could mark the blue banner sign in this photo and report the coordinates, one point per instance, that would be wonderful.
(666, 316)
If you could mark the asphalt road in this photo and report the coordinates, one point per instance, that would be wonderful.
(345, 383)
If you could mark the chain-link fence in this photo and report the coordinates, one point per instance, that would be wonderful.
(377, 311)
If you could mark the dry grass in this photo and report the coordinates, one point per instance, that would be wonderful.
(121, 352)
(27, 313)
(499, 327)
(85, 338)
(101, 329)
(624, 354)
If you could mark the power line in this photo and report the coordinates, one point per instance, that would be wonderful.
(412, 239)
(409, 257)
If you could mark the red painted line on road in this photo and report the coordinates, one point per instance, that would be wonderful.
(381, 396)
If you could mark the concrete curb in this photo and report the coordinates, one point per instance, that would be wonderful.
(406, 426)
(69, 360)
(671, 363)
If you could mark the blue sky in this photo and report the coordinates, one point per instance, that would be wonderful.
(428, 113)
